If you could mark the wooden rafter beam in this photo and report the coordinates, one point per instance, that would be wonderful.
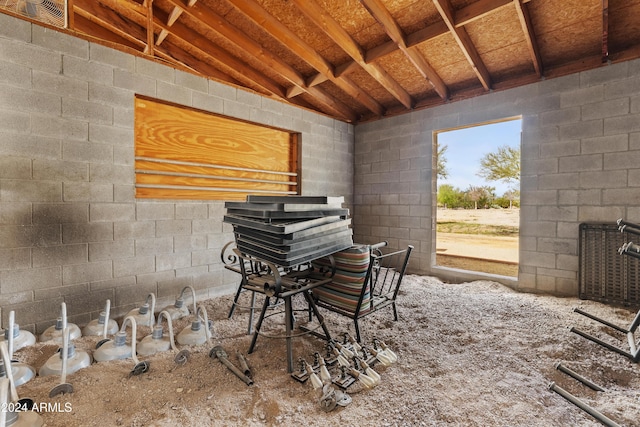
(171, 19)
(150, 36)
(295, 44)
(221, 26)
(464, 42)
(377, 9)
(605, 30)
(529, 35)
(105, 17)
(331, 28)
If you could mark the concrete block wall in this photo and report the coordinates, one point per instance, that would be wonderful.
(71, 228)
(580, 163)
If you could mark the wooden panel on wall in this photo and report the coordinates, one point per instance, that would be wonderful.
(184, 153)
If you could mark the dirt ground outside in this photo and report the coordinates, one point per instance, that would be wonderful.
(469, 354)
(479, 252)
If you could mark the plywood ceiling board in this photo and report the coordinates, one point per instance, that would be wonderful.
(509, 62)
(549, 16)
(444, 54)
(571, 43)
(624, 25)
(262, 37)
(402, 70)
(416, 15)
(371, 86)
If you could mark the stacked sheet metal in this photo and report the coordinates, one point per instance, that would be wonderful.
(290, 230)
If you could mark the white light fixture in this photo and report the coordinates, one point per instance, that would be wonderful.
(179, 310)
(102, 325)
(157, 341)
(198, 333)
(75, 360)
(20, 338)
(144, 315)
(54, 332)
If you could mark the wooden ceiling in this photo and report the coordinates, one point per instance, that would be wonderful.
(360, 60)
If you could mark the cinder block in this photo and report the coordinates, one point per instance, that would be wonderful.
(82, 69)
(147, 247)
(87, 152)
(156, 211)
(606, 74)
(173, 227)
(15, 168)
(88, 302)
(61, 292)
(55, 213)
(205, 102)
(581, 96)
(112, 212)
(189, 243)
(33, 313)
(16, 98)
(610, 108)
(108, 250)
(30, 55)
(236, 109)
(113, 283)
(605, 144)
(14, 259)
(558, 245)
(123, 155)
(110, 95)
(154, 278)
(111, 134)
(207, 226)
(600, 213)
(135, 295)
(14, 28)
(603, 179)
(170, 290)
(30, 191)
(560, 117)
(116, 174)
(60, 85)
(583, 129)
(538, 259)
(174, 93)
(13, 299)
(87, 110)
(621, 88)
(134, 82)
(591, 197)
(124, 193)
(14, 75)
(12, 281)
(133, 266)
(191, 211)
(619, 196)
(89, 272)
(88, 192)
(87, 232)
(166, 262)
(111, 57)
(134, 230)
(592, 162)
(561, 213)
(622, 125)
(561, 180)
(154, 70)
(59, 127)
(205, 257)
(60, 42)
(59, 170)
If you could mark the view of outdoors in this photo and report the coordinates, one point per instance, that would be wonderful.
(478, 184)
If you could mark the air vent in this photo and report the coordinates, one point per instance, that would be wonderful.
(52, 12)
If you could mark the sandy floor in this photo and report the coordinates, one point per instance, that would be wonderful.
(471, 354)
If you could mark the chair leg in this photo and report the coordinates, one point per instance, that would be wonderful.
(355, 322)
(259, 324)
(395, 311)
(251, 308)
(235, 301)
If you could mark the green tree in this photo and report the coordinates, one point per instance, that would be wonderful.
(449, 197)
(480, 195)
(441, 162)
(501, 165)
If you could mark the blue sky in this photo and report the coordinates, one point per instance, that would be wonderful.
(467, 146)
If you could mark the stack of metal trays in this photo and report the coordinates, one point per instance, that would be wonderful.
(290, 230)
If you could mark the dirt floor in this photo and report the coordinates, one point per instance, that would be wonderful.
(469, 354)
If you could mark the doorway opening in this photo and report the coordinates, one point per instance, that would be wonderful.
(477, 183)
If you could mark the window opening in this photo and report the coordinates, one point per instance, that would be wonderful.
(478, 197)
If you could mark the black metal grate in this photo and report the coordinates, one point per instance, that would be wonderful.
(604, 274)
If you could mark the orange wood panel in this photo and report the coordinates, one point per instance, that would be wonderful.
(168, 132)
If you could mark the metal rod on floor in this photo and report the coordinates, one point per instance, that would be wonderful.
(580, 404)
(602, 343)
(578, 377)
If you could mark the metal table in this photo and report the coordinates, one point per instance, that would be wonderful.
(276, 282)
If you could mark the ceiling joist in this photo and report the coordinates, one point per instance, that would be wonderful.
(232, 40)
